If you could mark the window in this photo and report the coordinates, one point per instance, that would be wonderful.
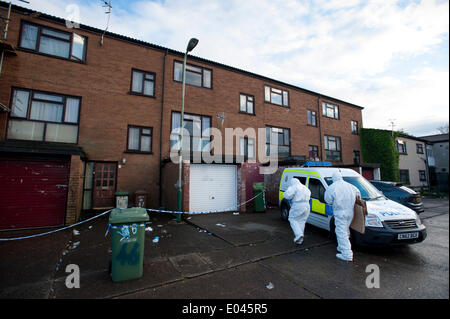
(422, 176)
(356, 157)
(354, 125)
(247, 147)
(247, 104)
(401, 146)
(142, 82)
(332, 148)
(53, 42)
(195, 75)
(404, 176)
(312, 118)
(330, 110)
(42, 116)
(301, 179)
(317, 189)
(198, 128)
(280, 136)
(419, 148)
(313, 151)
(276, 96)
(139, 139)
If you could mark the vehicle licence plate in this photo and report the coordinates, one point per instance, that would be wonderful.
(408, 235)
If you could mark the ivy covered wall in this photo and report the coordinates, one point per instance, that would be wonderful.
(378, 146)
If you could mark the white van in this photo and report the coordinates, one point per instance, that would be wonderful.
(387, 223)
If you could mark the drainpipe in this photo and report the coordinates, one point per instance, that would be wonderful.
(5, 34)
(161, 129)
(319, 114)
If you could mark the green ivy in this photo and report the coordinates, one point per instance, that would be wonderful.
(378, 146)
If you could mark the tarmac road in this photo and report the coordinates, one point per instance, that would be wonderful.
(228, 256)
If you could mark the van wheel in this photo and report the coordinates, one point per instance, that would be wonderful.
(284, 212)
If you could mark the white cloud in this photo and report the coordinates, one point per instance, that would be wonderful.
(352, 50)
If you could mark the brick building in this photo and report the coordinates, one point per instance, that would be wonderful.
(83, 118)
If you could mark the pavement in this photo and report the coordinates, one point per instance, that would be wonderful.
(226, 256)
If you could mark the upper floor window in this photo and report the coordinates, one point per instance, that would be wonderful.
(42, 116)
(276, 96)
(401, 146)
(53, 42)
(143, 82)
(247, 103)
(279, 137)
(330, 110)
(139, 139)
(195, 75)
(354, 125)
(419, 148)
(332, 148)
(312, 118)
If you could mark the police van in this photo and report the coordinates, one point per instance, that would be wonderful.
(387, 222)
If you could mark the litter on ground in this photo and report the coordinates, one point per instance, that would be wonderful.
(156, 239)
(221, 225)
(270, 286)
(148, 228)
(76, 232)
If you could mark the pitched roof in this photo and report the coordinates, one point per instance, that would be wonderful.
(436, 138)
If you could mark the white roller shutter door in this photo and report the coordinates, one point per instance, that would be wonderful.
(212, 187)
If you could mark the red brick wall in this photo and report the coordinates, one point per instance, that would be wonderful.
(75, 190)
(107, 108)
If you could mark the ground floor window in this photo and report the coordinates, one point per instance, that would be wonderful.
(404, 176)
(422, 176)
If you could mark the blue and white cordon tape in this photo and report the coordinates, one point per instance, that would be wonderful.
(148, 209)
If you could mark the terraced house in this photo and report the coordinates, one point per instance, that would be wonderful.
(84, 116)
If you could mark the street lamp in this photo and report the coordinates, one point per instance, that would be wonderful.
(191, 45)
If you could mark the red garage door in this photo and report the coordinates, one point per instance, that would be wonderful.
(33, 193)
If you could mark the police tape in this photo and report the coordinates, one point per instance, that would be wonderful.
(148, 209)
(56, 230)
(206, 212)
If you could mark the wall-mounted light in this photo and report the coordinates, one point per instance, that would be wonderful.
(124, 160)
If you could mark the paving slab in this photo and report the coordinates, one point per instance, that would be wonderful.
(246, 282)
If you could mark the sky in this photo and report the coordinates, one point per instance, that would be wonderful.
(391, 57)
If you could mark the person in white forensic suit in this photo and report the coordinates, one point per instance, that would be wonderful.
(299, 194)
(342, 195)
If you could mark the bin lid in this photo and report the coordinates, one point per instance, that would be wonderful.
(128, 215)
(259, 186)
(121, 193)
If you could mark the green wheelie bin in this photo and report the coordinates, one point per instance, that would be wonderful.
(127, 242)
(259, 201)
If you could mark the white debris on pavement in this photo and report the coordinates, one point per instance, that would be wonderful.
(90, 227)
(74, 245)
(270, 286)
(221, 225)
(236, 213)
(76, 232)
(156, 239)
(148, 228)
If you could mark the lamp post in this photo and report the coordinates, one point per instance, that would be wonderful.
(191, 45)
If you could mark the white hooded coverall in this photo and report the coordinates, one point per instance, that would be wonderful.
(299, 194)
(342, 196)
